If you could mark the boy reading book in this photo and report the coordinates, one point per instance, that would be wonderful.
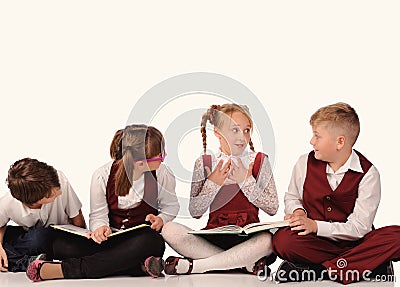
(39, 196)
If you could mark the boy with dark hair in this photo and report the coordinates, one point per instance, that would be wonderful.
(39, 196)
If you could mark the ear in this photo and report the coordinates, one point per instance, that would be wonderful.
(340, 142)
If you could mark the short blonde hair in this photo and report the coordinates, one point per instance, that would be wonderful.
(339, 115)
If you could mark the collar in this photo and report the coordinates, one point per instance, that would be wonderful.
(353, 163)
(246, 157)
(221, 154)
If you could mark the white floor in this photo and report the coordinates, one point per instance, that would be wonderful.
(194, 280)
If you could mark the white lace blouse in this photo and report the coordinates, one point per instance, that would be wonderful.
(261, 191)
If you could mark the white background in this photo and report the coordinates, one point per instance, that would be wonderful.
(71, 71)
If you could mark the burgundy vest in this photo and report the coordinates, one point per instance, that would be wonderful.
(125, 218)
(320, 201)
(230, 205)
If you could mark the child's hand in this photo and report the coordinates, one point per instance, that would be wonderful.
(219, 176)
(288, 216)
(239, 173)
(298, 211)
(302, 223)
(101, 234)
(156, 222)
(3, 260)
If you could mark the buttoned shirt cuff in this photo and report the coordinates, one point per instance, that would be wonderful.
(166, 218)
(324, 228)
(98, 224)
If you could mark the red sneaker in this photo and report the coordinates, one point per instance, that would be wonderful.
(33, 270)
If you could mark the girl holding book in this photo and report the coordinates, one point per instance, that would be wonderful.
(132, 189)
(234, 184)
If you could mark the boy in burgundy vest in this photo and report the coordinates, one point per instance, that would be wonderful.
(331, 202)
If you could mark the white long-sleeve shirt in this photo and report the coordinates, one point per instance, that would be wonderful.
(167, 202)
(360, 221)
(261, 191)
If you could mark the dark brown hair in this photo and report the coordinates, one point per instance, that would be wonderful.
(30, 180)
(216, 118)
(116, 145)
(138, 143)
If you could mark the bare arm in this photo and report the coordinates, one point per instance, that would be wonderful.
(3, 255)
(78, 220)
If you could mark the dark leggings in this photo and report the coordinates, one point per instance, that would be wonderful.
(120, 255)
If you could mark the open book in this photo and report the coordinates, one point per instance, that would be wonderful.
(83, 232)
(245, 230)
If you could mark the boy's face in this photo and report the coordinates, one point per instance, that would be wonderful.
(55, 191)
(235, 134)
(324, 142)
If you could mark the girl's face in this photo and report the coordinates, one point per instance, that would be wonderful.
(155, 164)
(150, 164)
(235, 134)
(324, 143)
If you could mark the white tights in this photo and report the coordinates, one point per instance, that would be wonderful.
(209, 257)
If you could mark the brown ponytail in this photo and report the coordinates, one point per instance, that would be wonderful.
(138, 143)
(116, 145)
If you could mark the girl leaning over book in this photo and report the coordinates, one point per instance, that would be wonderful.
(234, 184)
(136, 187)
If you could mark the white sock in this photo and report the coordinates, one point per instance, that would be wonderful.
(183, 266)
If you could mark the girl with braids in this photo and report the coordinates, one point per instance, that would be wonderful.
(234, 184)
(134, 188)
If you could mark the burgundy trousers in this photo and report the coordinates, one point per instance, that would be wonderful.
(342, 257)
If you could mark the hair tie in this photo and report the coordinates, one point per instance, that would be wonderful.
(130, 148)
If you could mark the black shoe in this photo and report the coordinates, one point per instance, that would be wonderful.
(385, 269)
(296, 272)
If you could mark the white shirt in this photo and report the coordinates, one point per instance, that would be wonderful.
(360, 221)
(167, 201)
(65, 206)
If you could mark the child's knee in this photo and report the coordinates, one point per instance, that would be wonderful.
(40, 239)
(282, 242)
(264, 238)
(171, 231)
